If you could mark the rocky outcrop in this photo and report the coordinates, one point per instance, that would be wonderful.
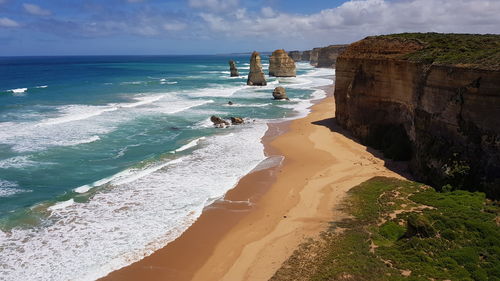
(237, 120)
(313, 57)
(256, 75)
(327, 56)
(306, 56)
(219, 122)
(281, 65)
(295, 55)
(233, 69)
(279, 93)
(444, 118)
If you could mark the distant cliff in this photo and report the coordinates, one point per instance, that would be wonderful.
(433, 99)
(327, 56)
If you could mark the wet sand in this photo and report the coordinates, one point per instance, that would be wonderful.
(270, 212)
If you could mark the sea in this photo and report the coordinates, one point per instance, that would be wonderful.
(106, 159)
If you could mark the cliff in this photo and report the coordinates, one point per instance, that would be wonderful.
(256, 75)
(433, 99)
(306, 56)
(295, 55)
(281, 65)
(327, 56)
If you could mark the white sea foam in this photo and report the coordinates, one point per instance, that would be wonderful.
(61, 205)
(17, 162)
(171, 196)
(189, 145)
(79, 124)
(8, 188)
(19, 90)
(41, 87)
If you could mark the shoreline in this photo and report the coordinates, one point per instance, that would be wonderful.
(234, 240)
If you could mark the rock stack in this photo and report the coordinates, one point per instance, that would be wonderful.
(233, 69)
(279, 93)
(281, 65)
(313, 57)
(256, 75)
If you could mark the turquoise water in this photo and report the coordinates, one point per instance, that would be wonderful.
(118, 153)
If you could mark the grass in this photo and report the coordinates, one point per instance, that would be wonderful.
(402, 230)
(476, 50)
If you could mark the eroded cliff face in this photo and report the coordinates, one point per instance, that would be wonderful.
(444, 118)
(295, 55)
(327, 56)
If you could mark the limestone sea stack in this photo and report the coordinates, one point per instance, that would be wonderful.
(313, 57)
(279, 93)
(295, 55)
(256, 75)
(281, 65)
(233, 69)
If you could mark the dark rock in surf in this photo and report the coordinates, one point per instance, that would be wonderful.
(233, 69)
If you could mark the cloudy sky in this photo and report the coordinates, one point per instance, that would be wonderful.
(86, 27)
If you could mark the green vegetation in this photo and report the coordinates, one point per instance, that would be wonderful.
(482, 51)
(401, 230)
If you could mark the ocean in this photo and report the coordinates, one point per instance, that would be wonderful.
(105, 159)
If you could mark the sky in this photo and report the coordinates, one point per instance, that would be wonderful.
(156, 27)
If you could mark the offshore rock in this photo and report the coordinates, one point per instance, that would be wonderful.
(233, 69)
(279, 93)
(295, 55)
(327, 56)
(219, 122)
(281, 65)
(443, 117)
(313, 56)
(256, 75)
(237, 120)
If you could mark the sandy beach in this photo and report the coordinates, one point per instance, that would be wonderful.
(270, 212)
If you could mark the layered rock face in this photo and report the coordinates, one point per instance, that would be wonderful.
(327, 56)
(444, 118)
(281, 65)
(256, 75)
(306, 56)
(233, 69)
(295, 55)
(313, 57)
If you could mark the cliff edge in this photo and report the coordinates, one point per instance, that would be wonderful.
(433, 99)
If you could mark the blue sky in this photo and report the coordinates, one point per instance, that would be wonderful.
(90, 27)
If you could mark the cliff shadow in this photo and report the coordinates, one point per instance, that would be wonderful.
(399, 167)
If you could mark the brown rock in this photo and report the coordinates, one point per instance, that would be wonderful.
(219, 122)
(256, 75)
(237, 120)
(279, 93)
(281, 65)
(233, 69)
(447, 115)
(313, 58)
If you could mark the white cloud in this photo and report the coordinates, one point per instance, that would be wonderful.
(214, 5)
(174, 26)
(6, 22)
(267, 12)
(36, 10)
(356, 19)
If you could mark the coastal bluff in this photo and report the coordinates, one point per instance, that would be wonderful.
(433, 99)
